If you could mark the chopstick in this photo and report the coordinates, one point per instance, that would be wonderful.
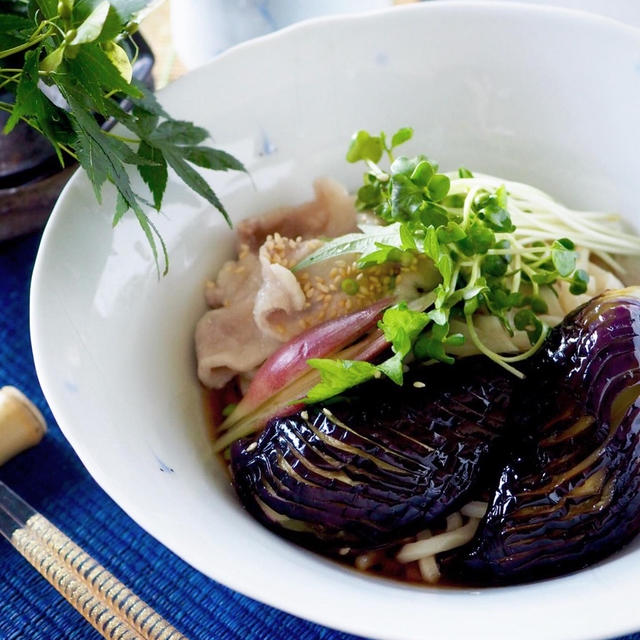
(111, 608)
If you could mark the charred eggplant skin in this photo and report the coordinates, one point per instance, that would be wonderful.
(378, 465)
(570, 493)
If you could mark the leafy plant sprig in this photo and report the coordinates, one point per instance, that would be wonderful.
(485, 266)
(68, 63)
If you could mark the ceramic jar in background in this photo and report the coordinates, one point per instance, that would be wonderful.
(203, 28)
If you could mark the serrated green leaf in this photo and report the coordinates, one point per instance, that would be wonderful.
(178, 132)
(93, 74)
(32, 104)
(49, 8)
(103, 158)
(156, 176)
(148, 101)
(144, 122)
(361, 243)
(209, 158)
(14, 30)
(91, 27)
(122, 206)
(28, 95)
(194, 180)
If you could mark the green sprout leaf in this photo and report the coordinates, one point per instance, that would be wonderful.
(439, 187)
(579, 282)
(401, 136)
(564, 257)
(365, 147)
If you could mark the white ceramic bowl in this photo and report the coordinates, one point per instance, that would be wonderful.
(549, 97)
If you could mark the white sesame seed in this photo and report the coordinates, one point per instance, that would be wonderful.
(252, 446)
(304, 415)
(419, 385)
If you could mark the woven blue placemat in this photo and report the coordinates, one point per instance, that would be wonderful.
(51, 477)
(53, 480)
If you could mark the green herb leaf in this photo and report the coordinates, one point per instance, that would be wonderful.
(464, 173)
(393, 368)
(384, 253)
(337, 376)
(401, 326)
(428, 346)
(363, 243)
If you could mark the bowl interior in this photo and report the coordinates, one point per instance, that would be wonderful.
(547, 97)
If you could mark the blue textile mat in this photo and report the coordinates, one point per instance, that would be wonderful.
(53, 480)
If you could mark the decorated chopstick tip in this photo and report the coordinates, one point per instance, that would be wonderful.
(21, 424)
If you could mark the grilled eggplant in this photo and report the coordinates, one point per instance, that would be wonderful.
(569, 492)
(380, 464)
